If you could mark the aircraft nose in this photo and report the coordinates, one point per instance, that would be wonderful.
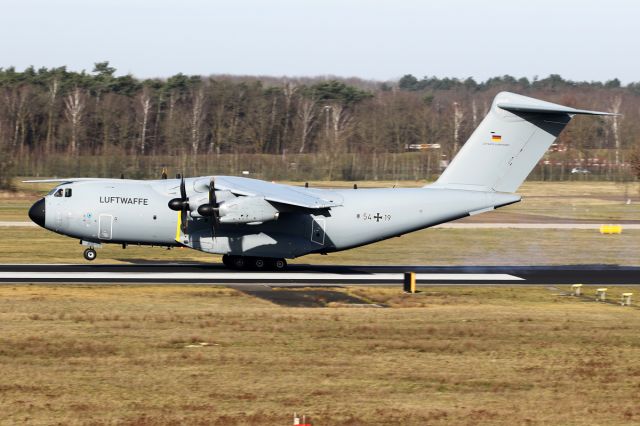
(36, 212)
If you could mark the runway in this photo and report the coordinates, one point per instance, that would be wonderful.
(201, 273)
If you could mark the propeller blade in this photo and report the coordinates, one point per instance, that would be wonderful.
(185, 205)
(210, 209)
(212, 191)
(183, 221)
(183, 190)
(181, 204)
(214, 204)
(213, 200)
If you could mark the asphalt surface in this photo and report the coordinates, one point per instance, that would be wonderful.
(328, 275)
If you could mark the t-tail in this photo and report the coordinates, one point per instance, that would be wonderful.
(508, 144)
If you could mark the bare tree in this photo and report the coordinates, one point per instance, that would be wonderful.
(307, 112)
(54, 86)
(197, 116)
(74, 106)
(341, 117)
(458, 116)
(289, 91)
(273, 134)
(145, 105)
(21, 113)
(474, 112)
(615, 107)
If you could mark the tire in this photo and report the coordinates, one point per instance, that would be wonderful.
(90, 254)
(226, 261)
(238, 262)
(279, 264)
(259, 263)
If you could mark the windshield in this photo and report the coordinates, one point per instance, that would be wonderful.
(53, 190)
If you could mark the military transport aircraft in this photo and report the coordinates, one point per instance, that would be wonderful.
(257, 225)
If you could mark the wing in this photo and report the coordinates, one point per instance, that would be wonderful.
(69, 180)
(310, 198)
(54, 180)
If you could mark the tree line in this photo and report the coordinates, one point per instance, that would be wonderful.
(55, 113)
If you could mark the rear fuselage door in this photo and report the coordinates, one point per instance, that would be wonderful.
(318, 226)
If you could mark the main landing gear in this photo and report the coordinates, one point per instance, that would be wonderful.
(90, 254)
(254, 263)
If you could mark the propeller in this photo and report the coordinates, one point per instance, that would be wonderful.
(182, 205)
(211, 208)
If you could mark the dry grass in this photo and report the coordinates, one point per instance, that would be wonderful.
(427, 247)
(469, 247)
(119, 355)
(36, 245)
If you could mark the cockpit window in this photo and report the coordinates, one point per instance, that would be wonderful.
(58, 193)
(67, 192)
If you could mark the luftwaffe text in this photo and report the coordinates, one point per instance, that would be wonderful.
(125, 200)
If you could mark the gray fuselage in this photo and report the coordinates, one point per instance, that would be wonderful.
(136, 212)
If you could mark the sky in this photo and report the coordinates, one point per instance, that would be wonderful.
(376, 39)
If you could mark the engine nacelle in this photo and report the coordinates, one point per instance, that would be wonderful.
(198, 200)
(247, 210)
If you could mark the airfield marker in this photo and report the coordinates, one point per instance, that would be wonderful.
(410, 282)
(611, 229)
(601, 294)
(626, 299)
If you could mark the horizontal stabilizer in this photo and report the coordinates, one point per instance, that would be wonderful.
(548, 109)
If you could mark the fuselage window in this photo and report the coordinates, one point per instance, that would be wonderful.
(67, 192)
(58, 193)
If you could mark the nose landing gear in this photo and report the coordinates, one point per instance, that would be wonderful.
(254, 263)
(90, 254)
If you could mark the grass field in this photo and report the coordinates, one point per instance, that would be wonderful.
(427, 247)
(133, 355)
(450, 355)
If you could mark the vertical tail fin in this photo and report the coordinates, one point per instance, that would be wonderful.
(508, 143)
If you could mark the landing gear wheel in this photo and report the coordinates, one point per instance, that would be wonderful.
(279, 264)
(90, 254)
(226, 261)
(259, 263)
(237, 262)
